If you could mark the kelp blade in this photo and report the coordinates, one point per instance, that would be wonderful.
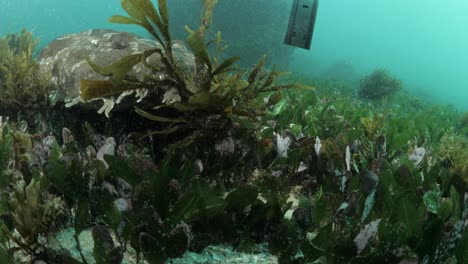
(117, 70)
(124, 20)
(93, 89)
(225, 65)
(196, 44)
(133, 9)
(158, 118)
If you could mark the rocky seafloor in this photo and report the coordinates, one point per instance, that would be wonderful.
(217, 254)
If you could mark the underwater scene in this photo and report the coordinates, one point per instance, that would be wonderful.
(233, 131)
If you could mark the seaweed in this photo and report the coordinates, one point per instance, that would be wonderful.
(363, 198)
(23, 88)
(211, 92)
(453, 151)
(378, 85)
(320, 176)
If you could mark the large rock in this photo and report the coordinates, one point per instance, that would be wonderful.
(64, 59)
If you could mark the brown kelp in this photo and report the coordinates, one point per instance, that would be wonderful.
(212, 92)
(378, 85)
(453, 152)
(22, 87)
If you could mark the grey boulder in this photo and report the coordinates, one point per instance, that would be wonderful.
(64, 59)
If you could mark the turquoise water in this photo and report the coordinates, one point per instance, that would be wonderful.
(422, 42)
(49, 19)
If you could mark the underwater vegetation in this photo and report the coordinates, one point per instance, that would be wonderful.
(378, 85)
(209, 99)
(22, 86)
(241, 159)
(453, 152)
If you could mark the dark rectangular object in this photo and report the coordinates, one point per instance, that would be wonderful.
(301, 23)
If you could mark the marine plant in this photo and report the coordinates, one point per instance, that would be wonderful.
(210, 99)
(363, 199)
(22, 87)
(365, 212)
(28, 211)
(453, 152)
(31, 212)
(84, 181)
(121, 193)
(378, 85)
(372, 124)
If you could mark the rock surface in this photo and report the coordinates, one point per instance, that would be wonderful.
(64, 59)
(216, 254)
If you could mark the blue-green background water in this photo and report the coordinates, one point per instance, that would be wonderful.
(422, 42)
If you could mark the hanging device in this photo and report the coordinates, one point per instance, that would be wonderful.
(301, 23)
